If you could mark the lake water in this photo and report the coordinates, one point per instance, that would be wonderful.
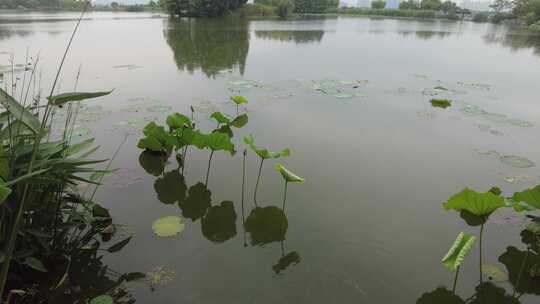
(351, 98)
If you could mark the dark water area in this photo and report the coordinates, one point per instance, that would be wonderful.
(351, 98)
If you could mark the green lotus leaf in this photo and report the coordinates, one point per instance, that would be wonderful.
(197, 202)
(219, 142)
(171, 187)
(288, 175)
(157, 139)
(103, 299)
(239, 100)
(264, 153)
(240, 121)
(177, 121)
(221, 118)
(266, 225)
(441, 103)
(459, 250)
(494, 273)
(530, 196)
(168, 226)
(219, 223)
(474, 202)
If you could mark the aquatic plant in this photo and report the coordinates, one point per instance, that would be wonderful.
(441, 103)
(289, 177)
(168, 226)
(263, 154)
(239, 100)
(457, 253)
(156, 139)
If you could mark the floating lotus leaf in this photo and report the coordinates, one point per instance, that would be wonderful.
(159, 108)
(441, 103)
(494, 273)
(103, 299)
(264, 153)
(168, 226)
(239, 100)
(288, 175)
(530, 196)
(519, 123)
(441, 88)
(160, 276)
(516, 161)
(474, 202)
(494, 117)
(343, 95)
(459, 250)
(472, 110)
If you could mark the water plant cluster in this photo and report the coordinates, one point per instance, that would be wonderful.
(475, 208)
(218, 221)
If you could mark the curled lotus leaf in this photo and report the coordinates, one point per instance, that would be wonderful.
(239, 99)
(289, 176)
(459, 250)
(264, 153)
(528, 197)
(168, 226)
(477, 203)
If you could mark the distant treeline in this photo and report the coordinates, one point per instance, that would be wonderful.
(200, 8)
(41, 4)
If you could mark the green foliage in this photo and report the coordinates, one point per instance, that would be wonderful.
(61, 99)
(103, 299)
(530, 197)
(289, 176)
(480, 204)
(459, 250)
(264, 153)
(266, 225)
(314, 6)
(284, 8)
(157, 139)
(409, 5)
(5, 191)
(177, 121)
(200, 8)
(378, 4)
(401, 13)
(256, 10)
(434, 5)
(18, 112)
(239, 100)
(441, 103)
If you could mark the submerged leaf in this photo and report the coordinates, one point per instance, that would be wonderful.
(459, 250)
(516, 161)
(168, 226)
(288, 175)
(474, 202)
(61, 99)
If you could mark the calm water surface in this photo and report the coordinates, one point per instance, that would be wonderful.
(350, 98)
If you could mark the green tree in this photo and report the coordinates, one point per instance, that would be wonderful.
(284, 8)
(499, 6)
(433, 5)
(449, 7)
(378, 4)
(200, 8)
(409, 5)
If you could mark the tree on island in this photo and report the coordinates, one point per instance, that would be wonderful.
(378, 4)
